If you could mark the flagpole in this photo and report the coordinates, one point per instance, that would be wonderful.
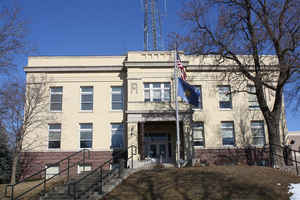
(177, 115)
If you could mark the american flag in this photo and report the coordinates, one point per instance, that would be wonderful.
(181, 68)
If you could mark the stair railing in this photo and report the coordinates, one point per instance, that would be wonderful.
(42, 174)
(113, 166)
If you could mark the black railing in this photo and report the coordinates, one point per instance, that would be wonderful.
(288, 155)
(42, 174)
(111, 167)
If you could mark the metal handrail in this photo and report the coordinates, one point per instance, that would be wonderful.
(99, 169)
(287, 158)
(44, 171)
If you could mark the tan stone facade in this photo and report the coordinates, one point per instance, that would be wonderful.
(88, 90)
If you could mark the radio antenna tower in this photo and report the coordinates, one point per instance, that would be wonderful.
(155, 20)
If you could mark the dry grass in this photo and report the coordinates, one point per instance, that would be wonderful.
(20, 188)
(213, 182)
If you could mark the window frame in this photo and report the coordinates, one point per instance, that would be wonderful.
(233, 133)
(55, 93)
(200, 99)
(220, 96)
(85, 130)
(54, 130)
(198, 125)
(263, 130)
(122, 96)
(86, 93)
(114, 130)
(250, 101)
(162, 90)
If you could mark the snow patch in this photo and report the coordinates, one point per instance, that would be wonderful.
(295, 189)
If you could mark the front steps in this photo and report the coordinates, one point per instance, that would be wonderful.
(60, 192)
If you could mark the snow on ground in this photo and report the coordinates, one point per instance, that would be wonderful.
(295, 189)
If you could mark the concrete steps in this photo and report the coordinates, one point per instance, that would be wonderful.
(88, 189)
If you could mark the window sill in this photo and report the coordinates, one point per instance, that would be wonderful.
(54, 149)
(199, 147)
(254, 108)
(116, 110)
(198, 109)
(55, 111)
(86, 111)
(225, 109)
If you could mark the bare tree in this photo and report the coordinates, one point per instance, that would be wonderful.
(253, 28)
(25, 108)
(12, 36)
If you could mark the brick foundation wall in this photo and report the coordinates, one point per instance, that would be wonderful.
(231, 156)
(32, 162)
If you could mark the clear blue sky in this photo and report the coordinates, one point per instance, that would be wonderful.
(96, 27)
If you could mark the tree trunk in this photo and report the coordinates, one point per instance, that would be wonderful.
(276, 151)
(14, 168)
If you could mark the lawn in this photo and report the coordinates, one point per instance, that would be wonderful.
(213, 182)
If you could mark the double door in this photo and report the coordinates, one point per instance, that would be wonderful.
(159, 151)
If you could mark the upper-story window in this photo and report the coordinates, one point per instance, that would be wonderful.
(86, 98)
(54, 136)
(86, 135)
(225, 101)
(198, 134)
(200, 97)
(157, 92)
(252, 99)
(227, 132)
(117, 138)
(117, 98)
(56, 98)
(258, 133)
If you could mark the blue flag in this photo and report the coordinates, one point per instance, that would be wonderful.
(188, 93)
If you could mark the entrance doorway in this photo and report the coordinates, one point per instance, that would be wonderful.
(158, 147)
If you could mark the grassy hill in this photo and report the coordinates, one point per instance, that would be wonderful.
(213, 182)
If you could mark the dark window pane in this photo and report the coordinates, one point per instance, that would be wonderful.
(56, 98)
(87, 89)
(198, 143)
(117, 106)
(86, 98)
(56, 89)
(54, 126)
(116, 97)
(86, 135)
(86, 106)
(85, 144)
(225, 104)
(54, 144)
(86, 126)
(55, 107)
(228, 141)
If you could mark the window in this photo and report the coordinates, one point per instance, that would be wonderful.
(83, 168)
(52, 170)
(157, 92)
(252, 99)
(86, 98)
(200, 97)
(117, 140)
(86, 135)
(56, 98)
(258, 133)
(116, 98)
(198, 134)
(227, 132)
(54, 136)
(225, 97)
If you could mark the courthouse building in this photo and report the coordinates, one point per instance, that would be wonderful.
(105, 103)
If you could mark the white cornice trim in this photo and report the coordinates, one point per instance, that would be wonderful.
(74, 69)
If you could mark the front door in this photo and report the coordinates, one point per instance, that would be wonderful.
(158, 151)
